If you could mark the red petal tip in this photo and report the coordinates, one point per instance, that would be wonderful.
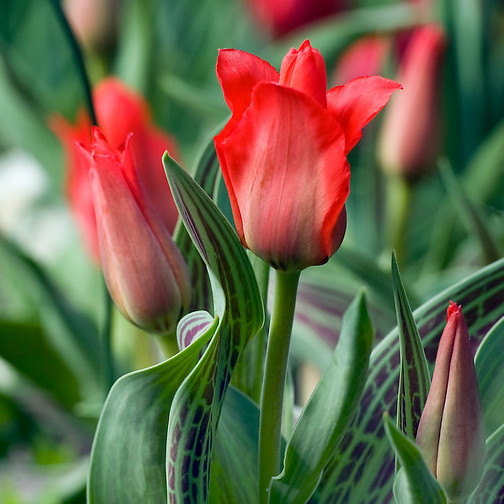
(453, 308)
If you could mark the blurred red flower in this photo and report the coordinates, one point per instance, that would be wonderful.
(120, 111)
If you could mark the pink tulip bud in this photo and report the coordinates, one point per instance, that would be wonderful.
(451, 430)
(409, 140)
(145, 272)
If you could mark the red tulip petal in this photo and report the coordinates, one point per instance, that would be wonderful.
(238, 72)
(305, 70)
(357, 102)
(289, 184)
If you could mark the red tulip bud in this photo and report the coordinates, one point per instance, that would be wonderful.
(451, 430)
(145, 272)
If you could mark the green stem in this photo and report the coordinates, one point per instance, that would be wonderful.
(399, 194)
(274, 380)
(168, 343)
(107, 361)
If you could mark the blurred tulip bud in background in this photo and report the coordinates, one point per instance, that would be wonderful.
(145, 272)
(364, 57)
(120, 111)
(283, 16)
(451, 430)
(409, 141)
(94, 22)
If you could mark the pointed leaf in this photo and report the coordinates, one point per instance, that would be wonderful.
(414, 378)
(323, 422)
(414, 483)
(489, 362)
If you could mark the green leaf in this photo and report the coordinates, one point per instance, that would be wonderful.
(474, 220)
(364, 468)
(22, 345)
(73, 333)
(233, 478)
(43, 58)
(206, 173)
(414, 483)
(414, 378)
(491, 486)
(156, 433)
(128, 456)
(323, 422)
(489, 362)
(196, 406)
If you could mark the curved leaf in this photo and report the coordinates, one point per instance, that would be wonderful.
(490, 372)
(491, 487)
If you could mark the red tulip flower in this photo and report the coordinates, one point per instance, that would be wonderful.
(283, 152)
(451, 429)
(145, 272)
(120, 111)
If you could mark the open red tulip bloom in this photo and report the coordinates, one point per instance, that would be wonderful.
(283, 152)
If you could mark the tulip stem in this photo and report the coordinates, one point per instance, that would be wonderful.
(398, 211)
(107, 363)
(274, 380)
(168, 344)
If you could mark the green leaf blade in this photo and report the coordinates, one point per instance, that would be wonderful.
(414, 378)
(323, 423)
(414, 483)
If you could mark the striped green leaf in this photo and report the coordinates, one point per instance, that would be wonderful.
(156, 433)
(196, 406)
(414, 483)
(323, 422)
(489, 363)
(491, 487)
(205, 174)
(233, 478)
(363, 470)
(414, 377)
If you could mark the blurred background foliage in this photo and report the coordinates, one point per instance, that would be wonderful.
(52, 302)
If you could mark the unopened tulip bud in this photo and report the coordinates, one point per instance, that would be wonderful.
(409, 141)
(145, 272)
(451, 430)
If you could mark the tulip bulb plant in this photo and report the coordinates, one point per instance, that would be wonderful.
(254, 261)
